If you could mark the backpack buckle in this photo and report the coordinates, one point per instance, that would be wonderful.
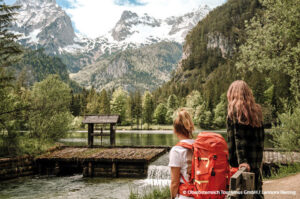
(213, 173)
(214, 157)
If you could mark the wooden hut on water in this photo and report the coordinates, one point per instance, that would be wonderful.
(98, 123)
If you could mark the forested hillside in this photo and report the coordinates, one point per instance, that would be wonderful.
(35, 66)
(210, 52)
(242, 39)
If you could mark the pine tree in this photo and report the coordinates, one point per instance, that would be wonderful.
(138, 107)
(9, 49)
(172, 102)
(11, 106)
(93, 106)
(104, 103)
(148, 108)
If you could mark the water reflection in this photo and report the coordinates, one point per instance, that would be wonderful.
(162, 138)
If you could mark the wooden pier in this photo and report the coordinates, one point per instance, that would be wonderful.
(280, 156)
(129, 162)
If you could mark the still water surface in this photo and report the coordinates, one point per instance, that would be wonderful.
(105, 188)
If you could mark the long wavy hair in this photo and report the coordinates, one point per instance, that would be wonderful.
(241, 105)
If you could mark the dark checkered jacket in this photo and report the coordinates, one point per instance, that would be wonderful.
(245, 144)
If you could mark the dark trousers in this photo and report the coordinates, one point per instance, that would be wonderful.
(258, 183)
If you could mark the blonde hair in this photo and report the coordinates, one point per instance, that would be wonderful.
(183, 123)
(241, 105)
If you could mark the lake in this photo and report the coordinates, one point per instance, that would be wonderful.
(105, 188)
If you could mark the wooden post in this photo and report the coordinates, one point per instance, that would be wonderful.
(90, 136)
(242, 181)
(85, 171)
(112, 135)
(56, 169)
(114, 170)
(248, 183)
(90, 172)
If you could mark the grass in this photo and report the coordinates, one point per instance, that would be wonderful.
(153, 193)
(285, 170)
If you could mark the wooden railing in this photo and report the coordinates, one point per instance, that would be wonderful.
(240, 183)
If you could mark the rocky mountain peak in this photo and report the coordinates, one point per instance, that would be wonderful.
(43, 23)
(128, 15)
(35, 2)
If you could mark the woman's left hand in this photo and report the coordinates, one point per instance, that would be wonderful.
(245, 165)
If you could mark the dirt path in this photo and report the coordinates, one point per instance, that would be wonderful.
(290, 183)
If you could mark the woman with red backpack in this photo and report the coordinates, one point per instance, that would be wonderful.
(245, 131)
(180, 157)
(199, 168)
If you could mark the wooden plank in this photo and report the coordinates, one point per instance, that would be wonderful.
(131, 166)
(99, 134)
(97, 169)
(101, 119)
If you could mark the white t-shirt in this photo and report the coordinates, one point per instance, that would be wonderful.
(182, 157)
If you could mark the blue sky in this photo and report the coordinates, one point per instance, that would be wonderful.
(96, 17)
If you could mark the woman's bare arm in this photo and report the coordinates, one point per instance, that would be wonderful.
(175, 181)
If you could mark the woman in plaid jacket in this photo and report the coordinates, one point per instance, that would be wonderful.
(245, 131)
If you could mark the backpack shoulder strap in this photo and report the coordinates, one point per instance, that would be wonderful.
(185, 145)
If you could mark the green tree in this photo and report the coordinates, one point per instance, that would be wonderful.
(147, 108)
(11, 105)
(50, 118)
(9, 49)
(160, 114)
(172, 105)
(93, 105)
(75, 104)
(273, 42)
(104, 103)
(220, 113)
(194, 99)
(118, 103)
(138, 110)
(287, 133)
(172, 102)
(203, 116)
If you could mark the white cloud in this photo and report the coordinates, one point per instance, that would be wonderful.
(96, 17)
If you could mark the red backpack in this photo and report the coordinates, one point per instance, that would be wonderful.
(210, 168)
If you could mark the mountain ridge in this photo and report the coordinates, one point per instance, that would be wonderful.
(44, 24)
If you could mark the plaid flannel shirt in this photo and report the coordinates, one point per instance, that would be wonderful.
(245, 144)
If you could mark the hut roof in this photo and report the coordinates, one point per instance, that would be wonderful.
(101, 119)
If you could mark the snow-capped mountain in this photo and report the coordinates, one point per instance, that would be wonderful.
(42, 23)
(146, 29)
